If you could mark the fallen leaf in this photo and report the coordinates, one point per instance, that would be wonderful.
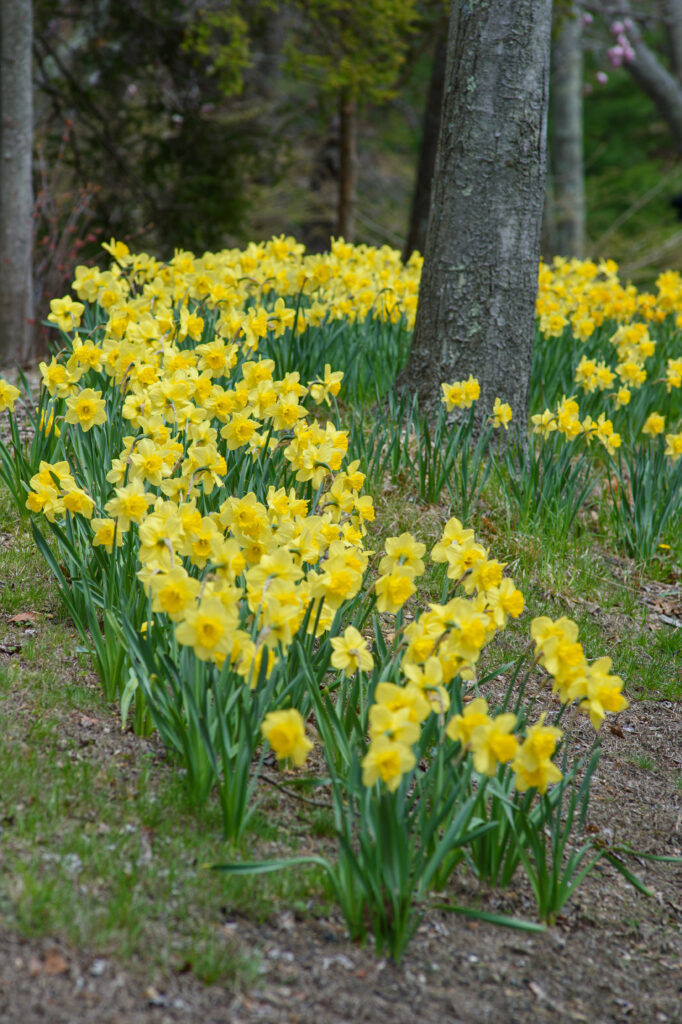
(26, 617)
(85, 721)
(55, 963)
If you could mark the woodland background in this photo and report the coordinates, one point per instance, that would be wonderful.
(179, 123)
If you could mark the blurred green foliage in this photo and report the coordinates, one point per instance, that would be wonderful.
(632, 172)
(196, 123)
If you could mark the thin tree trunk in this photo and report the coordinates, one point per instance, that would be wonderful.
(428, 147)
(348, 166)
(660, 86)
(323, 192)
(479, 283)
(16, 191)
(566, 145)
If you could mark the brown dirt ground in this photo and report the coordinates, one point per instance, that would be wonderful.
(614, 956)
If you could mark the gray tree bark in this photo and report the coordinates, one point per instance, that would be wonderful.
(479, 283)
(566, 137)
(16, 190)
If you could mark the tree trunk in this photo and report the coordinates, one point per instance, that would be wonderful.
(566, 143)
(348, 166)
(653, 78)
(672, 19)
(479, 283)
(660, 86)
(547, 247)
(421, 197)
(322, 199)
(16, 191)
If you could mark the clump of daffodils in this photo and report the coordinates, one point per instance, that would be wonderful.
(593, 687)
(444, 642)
(623, 360)
(175, 355)
(447, 641)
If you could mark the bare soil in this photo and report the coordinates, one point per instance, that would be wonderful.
(614, 956)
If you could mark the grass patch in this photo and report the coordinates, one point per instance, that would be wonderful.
(100, 847)
(98, 844)
(644, 762)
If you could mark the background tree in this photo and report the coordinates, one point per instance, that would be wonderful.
(159, 109)
(181, 124)
(567, 212)
(632, 144)
(351, 52)
(477, 297)
(428, 146)
(656, 69)
(16, 192)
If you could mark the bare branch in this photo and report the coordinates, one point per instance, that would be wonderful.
(657, 82)
(672, 17)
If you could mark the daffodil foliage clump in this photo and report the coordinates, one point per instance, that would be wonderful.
(607, 375)
(208, 520)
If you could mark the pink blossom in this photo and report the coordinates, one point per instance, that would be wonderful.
(615, 55)
(602, 77)
(617, 27)
(587, 18)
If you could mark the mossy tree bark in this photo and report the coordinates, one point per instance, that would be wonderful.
(479, 282)
(16, 190)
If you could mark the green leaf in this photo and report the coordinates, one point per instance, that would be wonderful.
(627, 874)
(501, 919)
(263, 867)
(663, 859)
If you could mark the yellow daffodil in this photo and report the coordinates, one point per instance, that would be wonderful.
(388, 760)
(285, 732)
(87, 408)
(351, 652)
